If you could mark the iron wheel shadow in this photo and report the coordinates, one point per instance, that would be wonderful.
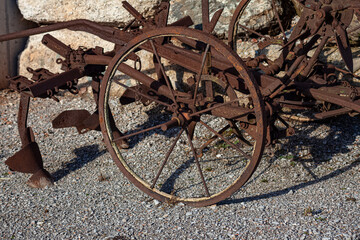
(344, 129)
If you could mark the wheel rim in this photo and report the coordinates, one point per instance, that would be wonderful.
(242, 26)
(171, 176)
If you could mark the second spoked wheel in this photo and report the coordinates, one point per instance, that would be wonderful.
(260, 28)
(192, 116)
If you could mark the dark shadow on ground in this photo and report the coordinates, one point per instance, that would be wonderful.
(339, 138)
(168, 186)
(156, 116)
(294, 188)
(343, 133)
(84, 155)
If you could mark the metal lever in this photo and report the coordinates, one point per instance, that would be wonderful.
(133, 11)
(208, 26)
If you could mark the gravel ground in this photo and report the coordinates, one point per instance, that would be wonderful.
(306, 188)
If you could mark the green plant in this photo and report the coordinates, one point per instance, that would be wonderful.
(320, 218)
(223, 145)
(209, 169)
(308, 211)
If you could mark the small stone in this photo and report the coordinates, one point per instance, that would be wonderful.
(356, 64)
(213, 207)
(110, 11)
(83, 90)
(156, 202)
(261, 208)
(188, 214)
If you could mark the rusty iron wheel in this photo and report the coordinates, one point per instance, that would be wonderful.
(168, 129)
(271, 27)
(251, 46)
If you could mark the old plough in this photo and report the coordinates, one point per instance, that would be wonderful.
(185, 116)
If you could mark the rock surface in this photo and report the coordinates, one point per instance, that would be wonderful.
(110, 11)
(355, 36)
(37, 55)
(257, 14)
(180, 8)
(297, 6)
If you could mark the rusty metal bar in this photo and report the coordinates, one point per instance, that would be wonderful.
(107, 33)
(333, 113)
(56, 45)
(41, 88)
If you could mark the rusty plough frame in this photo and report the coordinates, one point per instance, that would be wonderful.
(244, 97)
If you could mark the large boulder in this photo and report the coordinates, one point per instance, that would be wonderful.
(258, 14)
(37, 55)
(112, 12)
(180, 8)
(297, 6)
(109, 11)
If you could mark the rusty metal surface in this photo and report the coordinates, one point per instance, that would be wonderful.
(296, 79)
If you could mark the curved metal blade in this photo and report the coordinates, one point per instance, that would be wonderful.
(191, 129)
(343, 43)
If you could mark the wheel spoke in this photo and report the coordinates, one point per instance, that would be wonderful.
(225, 140)
(163, 71)
(218, 106)
(252, 31)
(231, 125)
(208, 142)
(141, 94)
(139, 132)
(278, 19)
(238, 133)
(198, 78)
(198, 164)
(166, 158)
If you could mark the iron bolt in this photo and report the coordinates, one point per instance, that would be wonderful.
(320, 14)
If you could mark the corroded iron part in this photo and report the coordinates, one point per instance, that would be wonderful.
(28, 160)
(184, 117)
(305, 83)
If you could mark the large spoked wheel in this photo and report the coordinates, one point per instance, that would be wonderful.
(258, 25)
(192, 137)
